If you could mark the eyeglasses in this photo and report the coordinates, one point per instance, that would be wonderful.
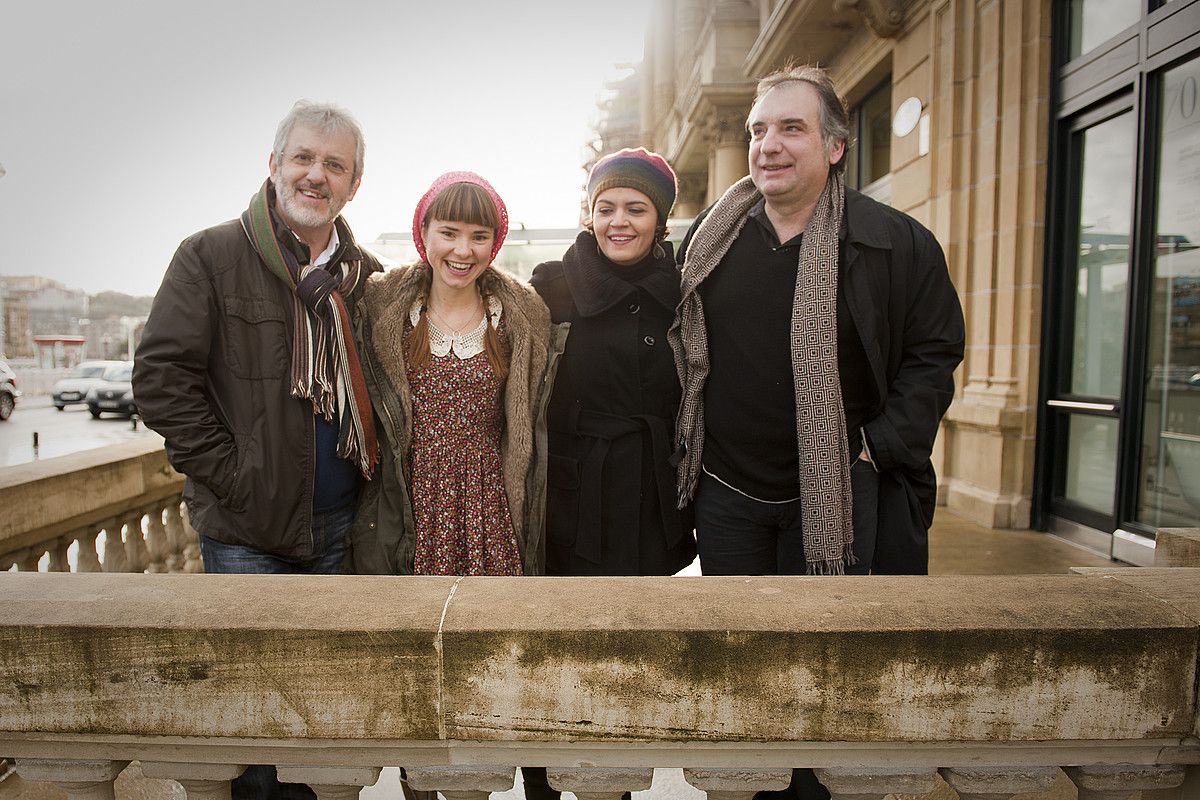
(306, 160)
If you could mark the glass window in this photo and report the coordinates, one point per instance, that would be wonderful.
(870, 157)
(1169, 479)
(1094, 21)
(1102, 269)
(1091, 474)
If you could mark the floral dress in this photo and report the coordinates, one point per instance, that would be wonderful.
(463, 524)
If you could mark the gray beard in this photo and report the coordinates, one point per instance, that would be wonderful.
(297, 216)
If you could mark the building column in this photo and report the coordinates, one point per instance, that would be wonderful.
(690, 200)
(990, 84)
(728, 151)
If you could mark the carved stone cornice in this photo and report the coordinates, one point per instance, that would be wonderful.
(886, 17)
(725, 127)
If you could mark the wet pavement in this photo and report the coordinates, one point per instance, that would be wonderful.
(60, 432)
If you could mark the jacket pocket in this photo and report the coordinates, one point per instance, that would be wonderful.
(256, 341)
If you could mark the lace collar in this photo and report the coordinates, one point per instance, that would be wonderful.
(464, 346)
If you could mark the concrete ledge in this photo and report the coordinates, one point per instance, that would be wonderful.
(1177, 547)
(49, 498)
(772, 659)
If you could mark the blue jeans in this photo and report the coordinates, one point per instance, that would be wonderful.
(329, 532)
(738, 535)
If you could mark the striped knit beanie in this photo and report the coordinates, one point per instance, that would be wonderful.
(635, 168)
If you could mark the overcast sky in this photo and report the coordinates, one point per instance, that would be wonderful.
(126, 126)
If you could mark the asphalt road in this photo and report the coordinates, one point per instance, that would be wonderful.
(60, 432)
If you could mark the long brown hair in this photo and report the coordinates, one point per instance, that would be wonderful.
(469, 204)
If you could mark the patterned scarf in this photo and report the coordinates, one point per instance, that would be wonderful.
(825, 492)
(325, 365)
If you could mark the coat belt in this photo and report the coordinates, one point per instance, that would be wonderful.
(605, 429)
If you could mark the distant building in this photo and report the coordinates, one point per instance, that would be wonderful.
(34, 305)
(58, 351)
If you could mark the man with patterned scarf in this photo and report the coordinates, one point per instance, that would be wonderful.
(248, 368)
(816, 342)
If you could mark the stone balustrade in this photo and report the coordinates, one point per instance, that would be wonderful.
(996, 686)
(114, 509)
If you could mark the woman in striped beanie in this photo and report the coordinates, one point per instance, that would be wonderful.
(610, 489)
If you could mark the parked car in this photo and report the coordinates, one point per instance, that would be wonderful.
(8, 391)
(114, 392)
(74, 387)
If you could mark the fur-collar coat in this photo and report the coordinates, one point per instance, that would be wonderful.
(383, 536)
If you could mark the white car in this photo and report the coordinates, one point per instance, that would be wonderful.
(81, 379)
(8, 391)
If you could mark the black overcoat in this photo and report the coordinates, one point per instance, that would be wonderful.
(610, 505)
(893, 275)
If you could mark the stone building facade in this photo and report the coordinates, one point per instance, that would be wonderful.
(985, 95)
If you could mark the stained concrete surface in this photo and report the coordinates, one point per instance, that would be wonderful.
(956, 547)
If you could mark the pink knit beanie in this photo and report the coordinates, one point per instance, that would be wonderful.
(438, 187)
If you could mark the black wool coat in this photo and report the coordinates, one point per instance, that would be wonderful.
(610, 505)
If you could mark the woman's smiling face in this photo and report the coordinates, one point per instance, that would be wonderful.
(624, 221)
(458, 252)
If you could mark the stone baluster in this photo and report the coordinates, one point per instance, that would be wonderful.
(30, 558)
(598, 783)
(176, 536)
(13, 558)
(331, 783)
(462, 783)
(81, 780)
(58, 555)
(192, 560)
(114, 547)
(200, 781)
(136, 554)
(87, 560)
(1119, 781)
(998, 783)
(737, 784)
(875, 784)
(157, 544)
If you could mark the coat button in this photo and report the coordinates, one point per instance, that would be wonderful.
(634, 308)
(649, 340)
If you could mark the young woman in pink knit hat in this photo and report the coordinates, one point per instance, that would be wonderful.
(457, 352)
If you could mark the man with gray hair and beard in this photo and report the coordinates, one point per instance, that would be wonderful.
(816, 342)
(248, 368)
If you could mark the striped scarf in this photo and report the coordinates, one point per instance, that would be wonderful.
(825, 492)
(325, 364)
